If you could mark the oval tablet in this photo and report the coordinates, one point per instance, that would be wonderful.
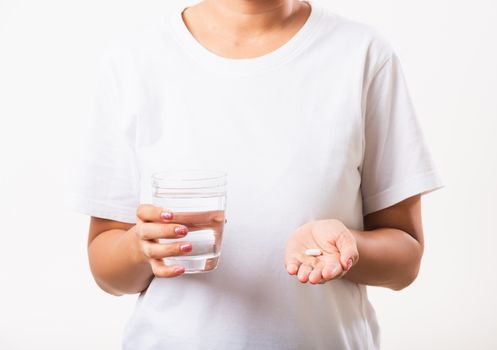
(313, 252)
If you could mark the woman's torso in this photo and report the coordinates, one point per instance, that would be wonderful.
(289, 133)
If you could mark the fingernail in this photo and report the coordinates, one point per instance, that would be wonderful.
(181, 230)
(166, 216)
(185, 248)
(349, 264)
(179, 269)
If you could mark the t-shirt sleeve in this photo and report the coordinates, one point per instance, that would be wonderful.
(107, 181)
(397, 163)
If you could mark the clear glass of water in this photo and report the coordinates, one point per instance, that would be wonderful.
(198, 197)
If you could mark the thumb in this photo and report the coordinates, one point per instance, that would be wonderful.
(347, 246)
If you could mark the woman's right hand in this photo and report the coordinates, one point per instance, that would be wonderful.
(154, 223)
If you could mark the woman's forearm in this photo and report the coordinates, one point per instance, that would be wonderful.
(387, 257)
(117, 264)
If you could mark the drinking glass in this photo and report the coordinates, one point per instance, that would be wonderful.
(199, 199)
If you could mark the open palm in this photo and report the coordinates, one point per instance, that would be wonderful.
(338, 247)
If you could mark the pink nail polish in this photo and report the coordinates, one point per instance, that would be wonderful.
(166, 216)
(179, 269)
(349, 264)
(185, 248)
(181, 230)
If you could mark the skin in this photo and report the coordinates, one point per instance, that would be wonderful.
(245, 28)
(124, 258)
(390, 248)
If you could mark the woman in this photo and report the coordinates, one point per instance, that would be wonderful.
(309, 114)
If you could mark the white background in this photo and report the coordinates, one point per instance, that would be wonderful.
(48, 55)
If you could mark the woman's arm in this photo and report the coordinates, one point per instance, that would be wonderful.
(117, 264)
(391, 247)
(124, 258)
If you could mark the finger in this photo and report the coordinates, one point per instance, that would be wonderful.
(151, 213)
(303, 273)
(347, 247)
(158, 251)
(162, 270)
(150, 231)
(331, 270)
(292, 265)
(200, 219)
(293, 261)
(195, 220)
(316, 275)
(307, 259)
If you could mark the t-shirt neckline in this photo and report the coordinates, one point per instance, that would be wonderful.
(244, 66)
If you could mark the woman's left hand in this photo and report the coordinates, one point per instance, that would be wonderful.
(338, 247)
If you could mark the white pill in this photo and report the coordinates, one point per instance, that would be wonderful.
(313, 252)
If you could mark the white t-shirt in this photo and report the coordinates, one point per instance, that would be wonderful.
(322, 127)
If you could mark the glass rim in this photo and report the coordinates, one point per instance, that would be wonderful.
(189, 179)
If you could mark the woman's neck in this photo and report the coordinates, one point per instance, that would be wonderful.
(249, 18)
(245, 28)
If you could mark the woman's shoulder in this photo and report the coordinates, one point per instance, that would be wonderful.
(356, 35)
(137, 45)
